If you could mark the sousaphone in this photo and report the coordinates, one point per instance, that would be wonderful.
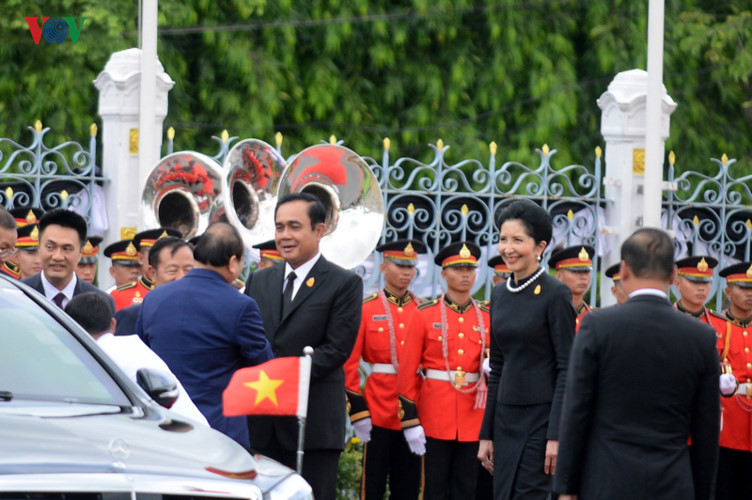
(350, 194)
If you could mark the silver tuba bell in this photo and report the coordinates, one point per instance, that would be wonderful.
(350, 194)
(183, 191)
(250, 178)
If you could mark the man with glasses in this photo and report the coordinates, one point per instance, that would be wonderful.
(8, 238)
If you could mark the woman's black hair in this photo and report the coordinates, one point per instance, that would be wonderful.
(534, 219)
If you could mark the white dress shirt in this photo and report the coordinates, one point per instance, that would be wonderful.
(300, 273)
(50, 291)
(131, 354)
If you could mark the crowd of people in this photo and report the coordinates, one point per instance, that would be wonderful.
(534, 394)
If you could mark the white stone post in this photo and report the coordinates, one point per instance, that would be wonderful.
(623, 125)
(119, 89)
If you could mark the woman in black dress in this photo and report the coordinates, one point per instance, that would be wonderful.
(532, 328)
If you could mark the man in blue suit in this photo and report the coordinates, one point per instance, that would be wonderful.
(204, 329)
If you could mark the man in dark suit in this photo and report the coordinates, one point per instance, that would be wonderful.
(62, 234)
(642, 378)
(321, 309)
(170, 259)
(204, 329)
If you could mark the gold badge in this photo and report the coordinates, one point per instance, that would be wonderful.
(537, 290)
(163, 235)
(310, 282)
(749, 270)
(401, 412)
(409, 250)
(31, 218)
(35, 234)
(702, 266)
(130, 250)
(583, 256)
(88, 248)
(464, 252)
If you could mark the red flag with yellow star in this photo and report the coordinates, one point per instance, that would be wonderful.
(277, 387)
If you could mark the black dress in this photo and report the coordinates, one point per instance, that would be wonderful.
(531, 336)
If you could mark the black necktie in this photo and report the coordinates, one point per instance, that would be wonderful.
(287, 294)
(58, 299)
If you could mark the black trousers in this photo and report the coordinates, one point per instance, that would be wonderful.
(319, 467)
(451, 469)
(734, 472)
(388, 456)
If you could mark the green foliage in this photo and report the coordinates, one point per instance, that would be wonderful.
(350, 471)
(470, 72)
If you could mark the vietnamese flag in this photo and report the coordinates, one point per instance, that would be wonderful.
(277, 387)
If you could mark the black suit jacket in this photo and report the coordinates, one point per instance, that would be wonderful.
(126, 320)
(642, 378)
(35, 282)
(325, 314)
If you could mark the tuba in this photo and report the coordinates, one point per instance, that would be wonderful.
(183, 191)
(351, 195)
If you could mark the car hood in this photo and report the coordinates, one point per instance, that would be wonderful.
(96, 439)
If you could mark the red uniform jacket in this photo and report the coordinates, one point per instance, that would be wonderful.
(735, 348)
(373, 345)
(131, 293)
(443, 411)
(581, 312)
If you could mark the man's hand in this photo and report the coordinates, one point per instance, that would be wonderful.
(416, 439)
(362, 429)
(552, 451)
(485, 454)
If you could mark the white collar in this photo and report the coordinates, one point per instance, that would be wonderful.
(649, 291)
(50, 291)
(302, 271)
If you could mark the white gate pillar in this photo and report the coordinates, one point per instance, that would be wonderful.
(119, 88)
(623, 125)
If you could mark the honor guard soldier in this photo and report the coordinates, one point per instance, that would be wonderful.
(382, 334)
(441, 415)
(617, 290)
(269, 254)
(27, 250)
(87, 266)
(694, 276)
(501, 271)
(125, 270)
(735, 346)
(574, 267)
(134, 292)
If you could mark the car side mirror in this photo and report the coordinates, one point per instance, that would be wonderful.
(161, 387)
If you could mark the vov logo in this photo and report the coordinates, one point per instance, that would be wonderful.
(55, 30)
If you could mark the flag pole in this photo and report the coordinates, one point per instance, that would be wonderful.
(305, 367)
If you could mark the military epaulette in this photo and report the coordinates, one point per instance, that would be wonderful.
(430, 303)
(127, 286)
(485, 306)
(717, 314)
(370, 297)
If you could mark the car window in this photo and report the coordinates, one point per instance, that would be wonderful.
(41, 360)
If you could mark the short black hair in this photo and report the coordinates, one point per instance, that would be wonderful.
(533, 217)
(649, 253)
(171, 242)
(218, 244)
(7, 221)
(92, 311)
(316, 210)
(64, 218)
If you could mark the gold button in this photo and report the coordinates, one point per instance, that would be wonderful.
(462, 320)
(381, 329)
(746, 349)
(402, 325)
(749, 380)
(399, 309)
(749, 365)
(461, 335)
(439, 337)
(460, 351)
(744, 333)
(402, 342)
(459, 368)
(480, 342)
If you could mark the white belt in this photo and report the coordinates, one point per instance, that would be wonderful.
(455, 377)
(386, 368)
(744, 389)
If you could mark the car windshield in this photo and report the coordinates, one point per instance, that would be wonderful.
(41, 360)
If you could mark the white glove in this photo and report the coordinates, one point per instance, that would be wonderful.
(362, 429)
(727, 384)
(487, 366)
(416, 439)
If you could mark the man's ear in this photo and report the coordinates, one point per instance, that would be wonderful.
(320, 230)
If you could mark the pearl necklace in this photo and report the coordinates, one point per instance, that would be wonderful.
(526, 284)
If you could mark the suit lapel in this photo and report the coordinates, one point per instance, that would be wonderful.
(311, 284)
(275, 294)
